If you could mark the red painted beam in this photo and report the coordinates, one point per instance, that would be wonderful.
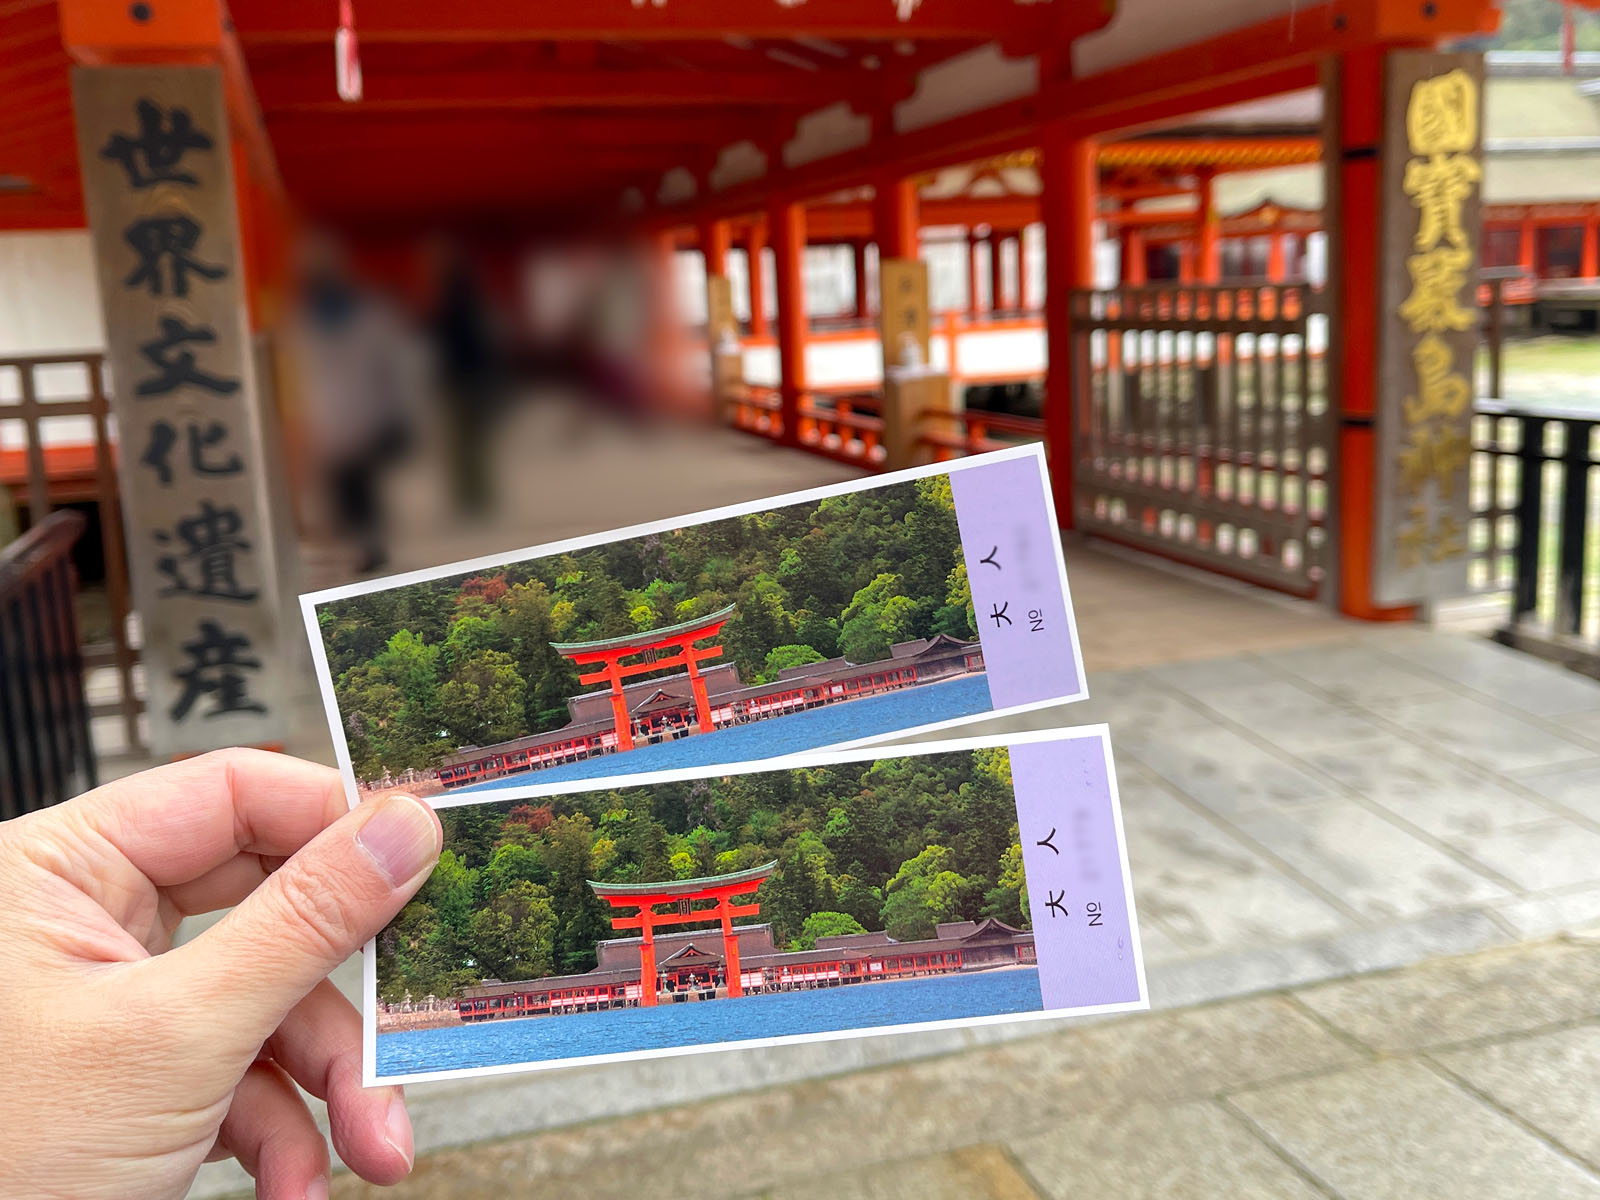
(418, 134)
(312, 90)
(302, 22)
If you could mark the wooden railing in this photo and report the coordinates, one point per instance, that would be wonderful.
(843, 427)
(1532, 532)
(83, 470)
(45, 752)
(757, 409)
(951, 434)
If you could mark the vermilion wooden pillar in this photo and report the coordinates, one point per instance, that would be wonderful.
(863, 301)
(1022, 270)
(786, 226)
(755, 247)
(1275, 261)
(894, 218)
(1527, 257)
(715, 241)
(1067, 207)
(974, 306)
(997, 272)
(1133, 265)
(1353, 99)
(1589, 262)
(1210, 243)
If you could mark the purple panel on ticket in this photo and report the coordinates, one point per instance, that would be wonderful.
(1078, 896)
(1019, 589)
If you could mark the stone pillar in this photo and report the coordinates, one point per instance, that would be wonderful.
(208, 534)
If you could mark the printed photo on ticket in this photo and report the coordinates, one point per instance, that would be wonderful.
(901, 603)
(871, 891)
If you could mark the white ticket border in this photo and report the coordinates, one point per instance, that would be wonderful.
(523, 791)
(369, 963)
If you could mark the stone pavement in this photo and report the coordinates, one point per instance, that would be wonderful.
(1469, 1077)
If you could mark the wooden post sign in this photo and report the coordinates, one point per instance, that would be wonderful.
(207, 581)
(1431, 214)
(903, 309)
(727, 357)
(721, 324)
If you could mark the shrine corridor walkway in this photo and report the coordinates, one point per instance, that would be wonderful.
(1364, 858)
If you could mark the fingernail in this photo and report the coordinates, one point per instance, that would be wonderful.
(402, 837)
(317, 1189)
(397, 1130)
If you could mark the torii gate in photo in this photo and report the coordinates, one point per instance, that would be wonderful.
(684, 893)
(679, 640)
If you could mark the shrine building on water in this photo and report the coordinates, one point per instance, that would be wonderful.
(693, 965)
(697, 699)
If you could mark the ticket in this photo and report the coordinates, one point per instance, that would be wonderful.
(867, 891)
(848, 614)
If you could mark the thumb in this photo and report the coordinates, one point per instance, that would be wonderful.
(310, 914)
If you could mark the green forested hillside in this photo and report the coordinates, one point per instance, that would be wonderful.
(898, 844)
(422, 670)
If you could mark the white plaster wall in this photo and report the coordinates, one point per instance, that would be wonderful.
(49, 300)
(978, 79)
(1142, 28)
(49, 304)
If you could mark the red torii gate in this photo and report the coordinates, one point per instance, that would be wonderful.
(679, 639)
(684, 893)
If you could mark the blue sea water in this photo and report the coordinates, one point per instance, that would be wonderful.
(776, 1014)
(790, 734)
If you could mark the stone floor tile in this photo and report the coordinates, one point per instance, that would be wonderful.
(1288, 715)
(1397, 764)
(1510, 676)
(1585, 726)
(1213, 674)
(1481, 733)
(1353, 671)
(1158, 944)
(1495, 994)
(1227, 773)
(986, 1172)
(1207, 888)
(1575, 787)
(1554, 854)
(1367, 948)
(1550, 1080)
(1373, 867)
(1195, 1151)
(1532, 917)
(1398, 1131)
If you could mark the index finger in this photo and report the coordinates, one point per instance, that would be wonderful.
(175, 822)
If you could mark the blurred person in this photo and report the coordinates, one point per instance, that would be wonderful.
(467, 360)
(131, 1061)
(358, 368)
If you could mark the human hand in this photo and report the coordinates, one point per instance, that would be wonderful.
(127, 1063)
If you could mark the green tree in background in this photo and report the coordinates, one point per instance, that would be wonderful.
(924, 892)
(514, 937)
(781, 658)
(824, 924)
(482, 701)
